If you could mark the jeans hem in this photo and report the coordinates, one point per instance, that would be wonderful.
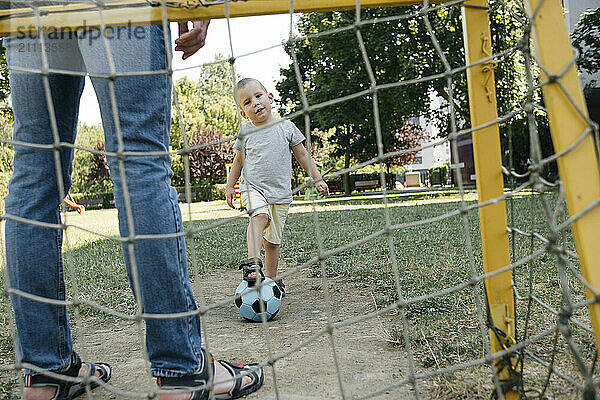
(165, 373)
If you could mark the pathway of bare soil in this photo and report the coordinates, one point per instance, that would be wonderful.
(366, 361)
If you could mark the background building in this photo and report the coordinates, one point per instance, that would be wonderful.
(430, 156)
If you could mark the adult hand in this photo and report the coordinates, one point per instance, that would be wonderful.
(190, 41)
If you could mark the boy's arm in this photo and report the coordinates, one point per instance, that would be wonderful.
(234, 175)
(309, 166)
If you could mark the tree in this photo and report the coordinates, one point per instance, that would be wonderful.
(5, 110)
(189, 115)
(409, 137)
(318, 152)
(400, 48)
(208, 102)
(6, 155)
(516, 143)
(332, 66)
(99, 167)
(586, 39)
(90, 171)
(215, 88)
(208, 163)
(209, 112)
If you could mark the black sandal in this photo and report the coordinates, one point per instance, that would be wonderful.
(251, 265)
(238, 372)
(198, 382)
(67, 390)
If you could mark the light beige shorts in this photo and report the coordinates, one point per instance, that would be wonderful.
(277, 214)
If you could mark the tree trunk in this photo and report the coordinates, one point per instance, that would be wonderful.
(390, 185)
(347, 190)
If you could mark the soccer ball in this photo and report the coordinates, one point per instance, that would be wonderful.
(247, 300)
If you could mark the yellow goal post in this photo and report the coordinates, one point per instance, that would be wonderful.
(132, 12)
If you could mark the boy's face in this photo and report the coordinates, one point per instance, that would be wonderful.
(255, 103)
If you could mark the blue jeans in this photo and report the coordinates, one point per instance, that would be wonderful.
(33, 252)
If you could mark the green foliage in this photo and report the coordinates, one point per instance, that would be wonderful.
(516, 144)
(192, 117)
(586, 39)
(208, 102)
(178, 167)
(208, 163)
(332, 67)
(203, 191)
(215, 89)
(207, 112)
(5, 110)
(91, 199)
(438, 175)
(6, 155)
(90, 173)
(506, 32)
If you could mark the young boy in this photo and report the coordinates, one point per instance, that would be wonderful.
(264, 149)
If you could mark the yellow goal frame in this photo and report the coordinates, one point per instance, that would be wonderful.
(563, 95)
(132, 12)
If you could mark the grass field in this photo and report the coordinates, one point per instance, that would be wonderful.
(443, 331)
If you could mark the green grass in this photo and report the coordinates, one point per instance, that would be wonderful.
(443, 331)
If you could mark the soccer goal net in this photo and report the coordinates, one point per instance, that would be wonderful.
(485, 285)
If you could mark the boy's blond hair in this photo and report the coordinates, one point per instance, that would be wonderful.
(243, 82)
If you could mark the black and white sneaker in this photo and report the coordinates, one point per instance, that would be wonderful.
(281, 287)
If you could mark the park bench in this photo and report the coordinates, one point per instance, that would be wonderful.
(361, 185)
(91, 203)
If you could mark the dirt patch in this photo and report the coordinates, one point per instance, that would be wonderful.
(367, 363)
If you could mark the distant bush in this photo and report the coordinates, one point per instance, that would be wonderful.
(438, 175)
(203, 192)
(90, 172)
(94, 200)
(6, 156)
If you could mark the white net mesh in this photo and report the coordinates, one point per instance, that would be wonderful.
(386, 291)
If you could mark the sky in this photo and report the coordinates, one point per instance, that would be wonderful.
(248, 35)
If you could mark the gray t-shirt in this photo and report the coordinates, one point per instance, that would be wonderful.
(268, 159)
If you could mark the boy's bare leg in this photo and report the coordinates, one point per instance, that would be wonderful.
(271, 258)
(254, 236)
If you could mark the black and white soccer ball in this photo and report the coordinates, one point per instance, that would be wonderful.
(248, 299)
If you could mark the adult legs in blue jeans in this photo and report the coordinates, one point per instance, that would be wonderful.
(136, 118)
(143, 110)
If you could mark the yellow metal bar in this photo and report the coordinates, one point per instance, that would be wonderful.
(488, 170)
(579, 168)
(135, 12)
